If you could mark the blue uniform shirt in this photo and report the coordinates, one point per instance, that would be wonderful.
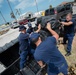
(23, 41)
(49, 53)
(70, 29)
(29, 30)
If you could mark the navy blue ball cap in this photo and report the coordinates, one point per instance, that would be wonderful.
(34, 36)
(22, 28)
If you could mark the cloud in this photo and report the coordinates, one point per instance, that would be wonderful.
(63, 0)
(38, 1)
(52, 0)
(23, 4)
(1, 3)
(68, 0)
(12, 0)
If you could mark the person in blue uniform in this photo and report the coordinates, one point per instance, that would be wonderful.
(69, 27)
(30, 28)
(23, 46)
(48, 53)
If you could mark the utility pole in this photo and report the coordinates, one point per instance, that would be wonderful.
(12, 13)
(3, 17)
(37, 6)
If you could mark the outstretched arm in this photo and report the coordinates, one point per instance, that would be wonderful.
(67, 23)
(54, 34)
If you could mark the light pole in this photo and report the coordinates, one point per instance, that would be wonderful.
(11, 9)
(2, 16)
(37, 6)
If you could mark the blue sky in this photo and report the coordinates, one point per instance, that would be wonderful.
(25, 6)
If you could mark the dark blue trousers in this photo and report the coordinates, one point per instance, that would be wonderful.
(23, 56)
(68, 37)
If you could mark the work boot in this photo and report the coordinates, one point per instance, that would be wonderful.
(68, 54)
